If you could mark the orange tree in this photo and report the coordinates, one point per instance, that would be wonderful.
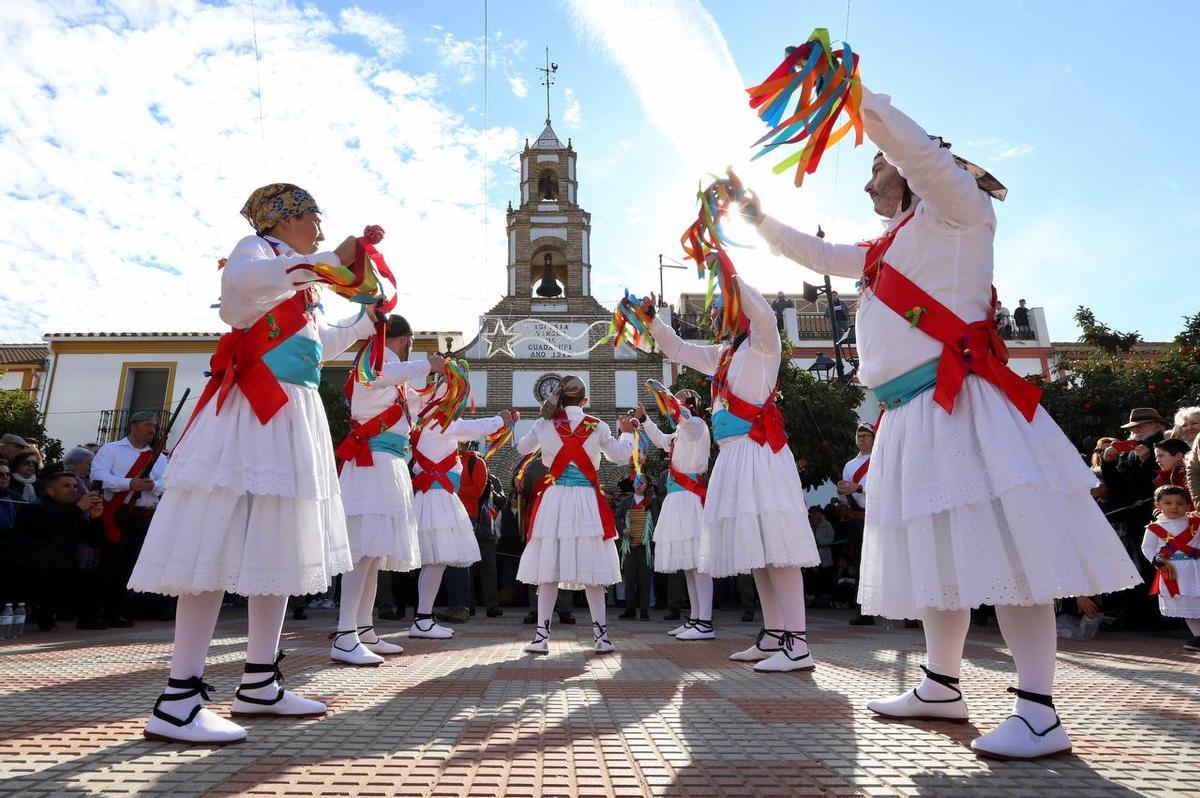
(1095, 395)
(19, 415)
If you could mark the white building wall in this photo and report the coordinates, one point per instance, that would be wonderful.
(11, 380)
(626, 383)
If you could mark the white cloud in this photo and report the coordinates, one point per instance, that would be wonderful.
(519, 87)
(129, 139)
(387, 39)
(573, 113)
(993, 149)
(465, 56)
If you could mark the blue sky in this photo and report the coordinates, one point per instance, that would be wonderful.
(141, 139)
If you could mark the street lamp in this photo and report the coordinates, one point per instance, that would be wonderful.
(661, 266)
(821, 367)
(810, 295)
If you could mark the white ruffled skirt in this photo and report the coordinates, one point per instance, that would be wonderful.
(444, 530)
(755, 515)
(249, 508)
(677, 535)
(981, 507)
(380, 518)
(567, 545)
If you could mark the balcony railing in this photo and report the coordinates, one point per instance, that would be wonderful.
(114, 424)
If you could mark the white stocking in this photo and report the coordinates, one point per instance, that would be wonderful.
(689, 578)
(702, 603)
(945, 634)
(264, 626)
(772, 614)
(1193, 624)
(1030, 635)
(595, 600)
(427, 587)
(366, 605)
(547, 595)
(195, 618)
(353, 584)
(788, 587)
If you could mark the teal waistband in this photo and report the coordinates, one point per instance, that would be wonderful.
(675, 487)
(572, 477)
(726, 425)
(297, 360)
(1179, 555)
(908, 386)
(391, 442)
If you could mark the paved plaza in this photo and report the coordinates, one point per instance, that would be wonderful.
(477, 717)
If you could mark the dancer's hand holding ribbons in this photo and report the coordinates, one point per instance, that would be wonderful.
(437, 364)
(498, 439)
(631, 321)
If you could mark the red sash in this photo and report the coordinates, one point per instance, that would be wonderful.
(239, 359)
(108, 518)
(966, 348)
(357, 445)
(573, 453)
(1173, 545)
(767, 426)
(861, 472)
(697, 486)
(431, 472)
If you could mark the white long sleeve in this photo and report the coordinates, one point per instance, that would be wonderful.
(473, 429)
(764, 332)
(340, 336)
(701, 357)
(255, 279)
(398, 371)
(659, 438)
(839, 260)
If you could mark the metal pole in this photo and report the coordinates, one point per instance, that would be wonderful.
(833, 328)
(660, 278)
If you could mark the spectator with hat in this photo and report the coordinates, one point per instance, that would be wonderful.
(25, 486)
(10, 444)
(1129, 468)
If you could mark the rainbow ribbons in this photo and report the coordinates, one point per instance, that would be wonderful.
(448, 397)
(496, 441)
(641, 452)
(630, 322)
(668, 405)
(826, 84)
(705, 242)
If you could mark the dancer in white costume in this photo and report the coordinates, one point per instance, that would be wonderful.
(443, 527)
(572, 533)
(377, 492)
(677, 536)
(755, 519)
(976, 495)
(1172, 543)
(252, 503)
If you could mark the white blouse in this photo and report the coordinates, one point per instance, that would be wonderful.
(946, 249)
(438, 444)
(543, 434)
(692, 444)
(368, 401)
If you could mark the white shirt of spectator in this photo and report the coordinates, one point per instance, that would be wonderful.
(858, 500)
(112, 463)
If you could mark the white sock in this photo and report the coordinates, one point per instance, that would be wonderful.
(366, 604)
(195, 618)
(353, 584)
(264, 626)
(788, 586)
(1194, 625)
(547, 594)
(945, 634)
(1030, 635)
(772, 614)
(427, 587)
(702, 608)
(595, 600)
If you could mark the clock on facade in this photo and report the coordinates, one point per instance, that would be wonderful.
(545, 385)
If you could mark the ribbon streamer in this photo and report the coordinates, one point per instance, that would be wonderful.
(447, 399)
(826, 85)
(668, 405)
(630, 322)
(641, 451)
(497, 440)
(705, 242)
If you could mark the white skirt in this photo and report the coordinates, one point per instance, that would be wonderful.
(444, 530)
(1187, 603)
(249, 508)
(754, 515)
(981, 507)
(380, 518)
(568, 545)
(677, 535)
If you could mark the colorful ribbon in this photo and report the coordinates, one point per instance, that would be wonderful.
(447, 398)
(826, 84)
(705, 242)
(668, 405)
(630, 323)
(498, 439)
(641, 452)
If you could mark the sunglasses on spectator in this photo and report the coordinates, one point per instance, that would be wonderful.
(29, 462)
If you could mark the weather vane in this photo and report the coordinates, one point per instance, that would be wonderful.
(548, 80)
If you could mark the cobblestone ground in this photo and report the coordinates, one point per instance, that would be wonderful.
(476, 717)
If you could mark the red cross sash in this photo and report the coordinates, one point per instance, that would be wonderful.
(357, 445)
(860, 472)
(108, 517)
(698, 486)
(573, 453)
(1178, 544)
(974, 348)
(767, 426)
(432, 472)
(239, 359)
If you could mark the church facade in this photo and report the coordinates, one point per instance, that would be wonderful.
(548, 325)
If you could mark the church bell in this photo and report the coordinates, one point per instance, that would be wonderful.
(548, 286)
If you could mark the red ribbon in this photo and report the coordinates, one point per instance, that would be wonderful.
(573, 453)
(357, 445)
(108, 517)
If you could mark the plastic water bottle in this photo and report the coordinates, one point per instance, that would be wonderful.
(6, 619)
(18, 620)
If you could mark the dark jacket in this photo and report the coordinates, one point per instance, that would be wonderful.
(1130, 482)
(47, 534)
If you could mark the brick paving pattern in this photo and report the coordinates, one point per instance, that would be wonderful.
(477, 717)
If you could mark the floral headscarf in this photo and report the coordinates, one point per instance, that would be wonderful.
(270, 205)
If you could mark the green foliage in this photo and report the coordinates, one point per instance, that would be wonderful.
(337, 410)
(1095, 398)
(19, 415)
(819, 416)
